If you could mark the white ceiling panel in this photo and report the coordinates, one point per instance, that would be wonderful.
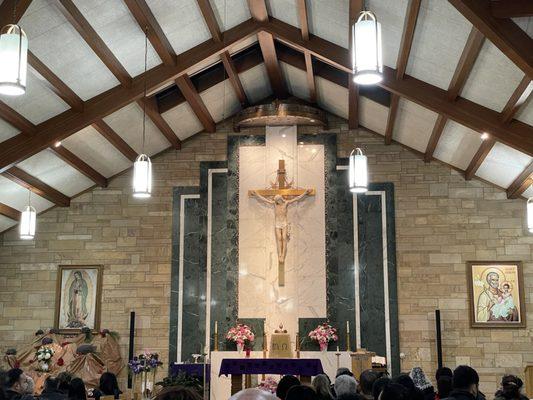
(329, 20)
(332, 97)
(296, 80)
(230, 12)
(373, 115)
(286, 10)
(6, 223)
(221, 101)
(182, 22)
(16, 196)
(255, 83)
(183, 121)
(493, 79)
(391, 15)
(57, 44)
(413, 125)
(128, 121)
(120, 32)
(6, 130)
(526, 23)
(439, 39)
(502, 165)
(457, 145)
(96, 151)
(526, 111)
(529, 192)
(38, 103)
(56, 173)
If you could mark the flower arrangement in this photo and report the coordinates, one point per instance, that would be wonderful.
(44, 355)
(323, 334)
(268, 385)
(240, 334)
(143, 364)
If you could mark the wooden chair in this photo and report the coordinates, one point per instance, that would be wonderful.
(110, 397)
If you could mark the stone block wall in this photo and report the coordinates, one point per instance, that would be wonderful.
(442, 221)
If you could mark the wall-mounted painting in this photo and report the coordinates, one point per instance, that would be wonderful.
(78, 292)
(496, 294)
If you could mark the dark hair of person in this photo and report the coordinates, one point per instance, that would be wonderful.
(378, 386)
(76, 390)
(350, 396)
(394, 391)
(301, 392)
(444, 386)
(63, 381)
(511, 386)
(13, 376)
(464, 377)
(322, 386)
(285, 384)
(178, 393)
(50, 384)
(343, 371)
(108, 384)
(443, 371)
(368, 377)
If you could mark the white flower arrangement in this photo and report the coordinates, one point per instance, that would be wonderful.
(44, 355)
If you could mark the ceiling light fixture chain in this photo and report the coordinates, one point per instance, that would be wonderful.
(145, 89)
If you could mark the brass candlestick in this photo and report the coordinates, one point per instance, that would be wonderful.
(297, 344)
(215, 338)
(338, 358)
(264, 349)
(348, 341)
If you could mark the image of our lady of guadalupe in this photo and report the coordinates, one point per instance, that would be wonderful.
(77, 302)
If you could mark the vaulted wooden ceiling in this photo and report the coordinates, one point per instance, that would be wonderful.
(453, 70)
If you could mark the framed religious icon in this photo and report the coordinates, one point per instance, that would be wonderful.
(78, 292)
(496, 294)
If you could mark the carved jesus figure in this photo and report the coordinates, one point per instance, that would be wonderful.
(281, 223)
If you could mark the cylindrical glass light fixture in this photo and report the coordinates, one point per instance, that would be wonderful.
(358, 172)
(530, 215)
(142, 176)
(13, 60)
(28, 221)
(367, 61)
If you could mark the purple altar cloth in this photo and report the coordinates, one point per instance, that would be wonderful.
(191, 369)
(276, 366)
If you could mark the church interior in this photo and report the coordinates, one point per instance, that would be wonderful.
(266, 199)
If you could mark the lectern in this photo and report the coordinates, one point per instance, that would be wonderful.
(361, 361)
(529, 381)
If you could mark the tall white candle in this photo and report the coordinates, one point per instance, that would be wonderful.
(216, 327)
(347, 326)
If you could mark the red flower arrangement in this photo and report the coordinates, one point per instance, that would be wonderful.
(60, 362)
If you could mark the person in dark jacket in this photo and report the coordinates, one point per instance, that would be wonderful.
(444, 387)
(285, 384)
(366, 382)
(511, 389)
(422, 383)
(378, 386)
(443, 371)
(301, 392)
(413, 393)
(18, 385)
(108, 386)
(51, 390)
(77, 390)
(465, 384)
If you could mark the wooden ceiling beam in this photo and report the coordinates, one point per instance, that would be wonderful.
(37, 186)
(149, 25)
(462, 72)
(69, 122)
(153, 113)
(77, 163)
(391, 118)
(16, 120)
(188, 90)
(210, 19)
(112, 137)
(521, 183)
(234, 79)
(87, 32)
(474, 116)
(354, 8)
(303, 14)
(9, 212)
(479, 157)
(310, 75)
(515, 43)
(511, 8)
(53, 83)
(6, 11)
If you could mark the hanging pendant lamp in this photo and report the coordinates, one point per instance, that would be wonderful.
(28, 221)
(530, 215)
(142, 168)
(367, 62)
(358, 172)
(13, 60)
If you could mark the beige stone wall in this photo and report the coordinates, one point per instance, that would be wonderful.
(442, 221)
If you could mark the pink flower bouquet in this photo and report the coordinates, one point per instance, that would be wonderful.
(240, 334)
(324, 334)
(268, 385)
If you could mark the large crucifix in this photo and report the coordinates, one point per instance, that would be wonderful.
(281, 194)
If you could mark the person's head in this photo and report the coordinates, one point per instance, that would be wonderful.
(285, 384)
(493, 279)
(466, 378)
(511, 386)
(343, 371)
(406, 381)
(321, 383)
(18, 381)
(394, 391)
(378, 386)
(443, 371)
(251, 394)
(301, 392)
(444, 386)
(345, 384)
(50, 384)
(179, 393)
(76, 389)
(63, 381)
(419, 379)
(108, 384)
(366, 382)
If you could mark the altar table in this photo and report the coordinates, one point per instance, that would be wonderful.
(237, 367)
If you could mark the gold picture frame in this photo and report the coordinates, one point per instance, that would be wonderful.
(496, 294)
(78, 297)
